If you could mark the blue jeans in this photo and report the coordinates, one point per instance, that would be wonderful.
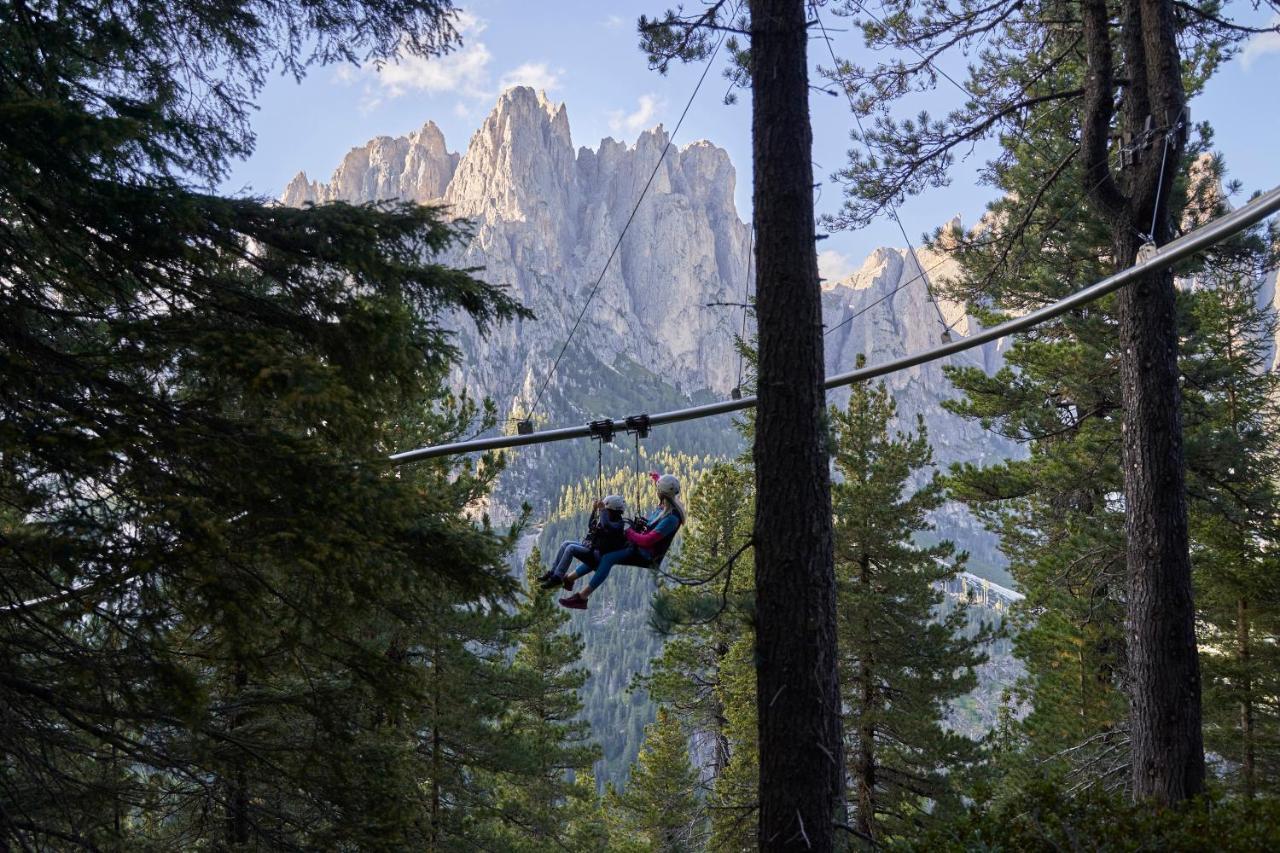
(570, 551)
(628, 556)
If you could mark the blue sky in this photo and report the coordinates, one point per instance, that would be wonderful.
(585, 54)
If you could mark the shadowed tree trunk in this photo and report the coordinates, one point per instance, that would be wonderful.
(238, 800)
(1164, 669)
(797, 691)
(1248, 761)
(866, 764)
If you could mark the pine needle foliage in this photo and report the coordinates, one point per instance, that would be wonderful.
(221, 611)
(1059, 510)
(659, 810)
(538, 797)
(901, 663)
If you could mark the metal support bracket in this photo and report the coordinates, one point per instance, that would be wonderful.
(602, 430)
(638, 424)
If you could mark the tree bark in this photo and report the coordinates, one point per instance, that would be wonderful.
(866, 766)
(797, 688)
(238, 801)
(721, 756)
(1248, 761)
(1164, 667)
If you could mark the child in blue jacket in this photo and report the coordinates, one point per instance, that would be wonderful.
(605, 533)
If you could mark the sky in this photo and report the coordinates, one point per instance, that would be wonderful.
(585, 54)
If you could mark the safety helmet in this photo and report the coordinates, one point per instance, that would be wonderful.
(668, 486)
(615, 503)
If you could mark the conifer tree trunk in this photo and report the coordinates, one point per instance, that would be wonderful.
(1248, 761)
(866, 767)
(797, 691)
(238, 805)
(1164, 666)
(720, 758)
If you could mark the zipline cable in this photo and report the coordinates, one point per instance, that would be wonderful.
(893, 211)
(643, 192)
(922, 272)
(1175, 250)
(1182, 247)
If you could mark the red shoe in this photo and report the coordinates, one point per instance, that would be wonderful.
(574, 602)
(569, 581)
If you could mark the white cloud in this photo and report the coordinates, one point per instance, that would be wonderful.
(633, 123)
(468, 24)
(615, 22)
(535, 74)
(465, 73)
(834, 266)
(1260, 45)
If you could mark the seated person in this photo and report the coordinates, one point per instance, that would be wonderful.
(643, 548)
(605, 533)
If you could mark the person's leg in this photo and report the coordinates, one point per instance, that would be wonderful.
(584, 555)
(628, 556)
(564, 558)
(578, 601)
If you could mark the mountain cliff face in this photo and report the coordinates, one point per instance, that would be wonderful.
(416, 168)
(545, 218)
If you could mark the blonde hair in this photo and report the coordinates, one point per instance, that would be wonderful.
(672, 505)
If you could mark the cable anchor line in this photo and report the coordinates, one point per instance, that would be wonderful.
(524, 426)
(1188, 244)
(1172, 252)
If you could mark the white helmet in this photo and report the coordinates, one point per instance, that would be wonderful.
(615, 503)
(668, 486)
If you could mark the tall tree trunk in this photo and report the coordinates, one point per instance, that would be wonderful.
(238, 799)
(797, 688)
(866, 765)
(1164, 667)
(435, 787)
(436, 762)
(720, 756)
(1248, 762)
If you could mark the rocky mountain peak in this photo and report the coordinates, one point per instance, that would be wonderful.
(416, 167)
(519, 166)
(546, 218)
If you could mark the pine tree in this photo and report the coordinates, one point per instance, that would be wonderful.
(899, 665)
(213, 589)
(1112, 80)
(701, 674)
(1234, 482)
(660, 806)
(1058, 510)
(734, 796)
(537, 796)
(702, 613)
(799, 717)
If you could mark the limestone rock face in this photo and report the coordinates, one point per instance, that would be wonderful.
(416, 168)
(545, 219)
